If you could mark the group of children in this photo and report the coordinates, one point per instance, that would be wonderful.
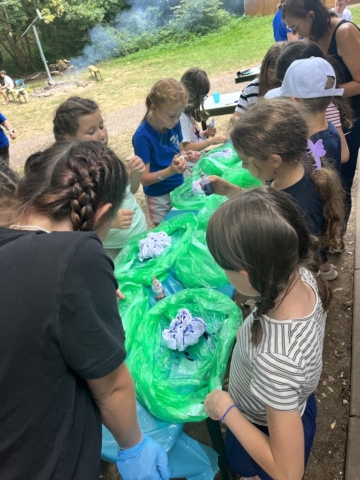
(260, 237)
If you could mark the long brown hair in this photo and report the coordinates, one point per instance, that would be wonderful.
(166, 92)
(236, 239)
(300, 9)
(269, 61)
(71, 180)
(66, 117)
(197, 84)
(276, 127)
(8, 201)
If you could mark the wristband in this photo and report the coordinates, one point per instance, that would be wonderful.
(12, 131)
(159, 176)
(227, 411)
(208, 143)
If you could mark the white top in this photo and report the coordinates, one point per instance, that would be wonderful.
(284, 369)
(117, 237)
(248, 96)
(190, 131)
(8, 82)
(346, 15)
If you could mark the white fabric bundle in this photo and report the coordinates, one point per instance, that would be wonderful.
(196, 187)
(225, 153)
(153, 245)
(184, 330)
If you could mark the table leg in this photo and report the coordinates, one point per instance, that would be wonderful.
(219, 446)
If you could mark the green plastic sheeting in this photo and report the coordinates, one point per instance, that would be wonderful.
(196, 267)
(213, 203)
(171, 384)
(241, 177)
(127, 264)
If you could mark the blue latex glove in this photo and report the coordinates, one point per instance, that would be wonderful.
(145, 461)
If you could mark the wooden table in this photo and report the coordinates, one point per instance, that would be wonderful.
(252, 73)
(226, 106)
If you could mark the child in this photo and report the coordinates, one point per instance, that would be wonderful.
(265, 82)
(273, 148)
(197, 84)
(311, 83)
(158, 141)
(80, 119)
(261, 241)
(4, 141)
(8, 203)
(8, 84)
(341, 11)
(339, 111)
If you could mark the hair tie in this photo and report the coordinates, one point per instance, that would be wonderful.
(318, 151)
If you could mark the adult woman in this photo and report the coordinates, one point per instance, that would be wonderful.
(341, 39)
(61, 337)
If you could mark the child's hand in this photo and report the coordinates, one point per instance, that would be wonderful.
(178, 164)
(135, 165)
(120, 295)
(216, 404)
(12, 135)
(222, 187)
(217, 139)
(191, 155)
(123, 219)
(209, 132)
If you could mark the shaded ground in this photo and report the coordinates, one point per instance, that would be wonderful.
(328, 455)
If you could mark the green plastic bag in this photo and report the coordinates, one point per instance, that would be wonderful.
(209, 208)
(171, 384)
(183, 196)
(196, 268)
(132, 309)
(214, 157)
(127, 264)
(241, 177)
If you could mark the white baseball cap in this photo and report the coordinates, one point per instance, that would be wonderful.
(307, 79)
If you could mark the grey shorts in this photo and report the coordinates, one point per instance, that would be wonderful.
(158, 207)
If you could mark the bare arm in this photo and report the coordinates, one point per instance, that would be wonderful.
(136, 168)
(149, 178)
(344, 146)
(348, 47)
(9, 128)
(235, 118)
(115, 397)
(281, 454)
(216, 140)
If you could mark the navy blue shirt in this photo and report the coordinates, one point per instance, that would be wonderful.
(332, 145)
(305, 195)
(158, 149)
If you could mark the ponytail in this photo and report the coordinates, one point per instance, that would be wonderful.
(166, 92)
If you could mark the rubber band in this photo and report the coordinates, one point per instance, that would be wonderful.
(227, 411)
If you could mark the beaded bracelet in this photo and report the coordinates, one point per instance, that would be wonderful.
(227, 411)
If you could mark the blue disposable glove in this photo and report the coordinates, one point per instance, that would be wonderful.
(145, 461)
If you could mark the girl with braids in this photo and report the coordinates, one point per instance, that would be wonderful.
(261, 241)
(61, 336)
(8, 202)
(197, 84)
(271, 139)
(158, 142)
(80, 119)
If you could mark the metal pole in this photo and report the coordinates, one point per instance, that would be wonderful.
(42, 55)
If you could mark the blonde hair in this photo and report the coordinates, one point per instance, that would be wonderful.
(269, 61)
(166, 92)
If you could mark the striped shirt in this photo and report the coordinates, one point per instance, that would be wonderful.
(332, 115)
(284, 369)
(248, 96)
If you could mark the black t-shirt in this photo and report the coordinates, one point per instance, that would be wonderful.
(59, 327)
(306, 197)
(332, 145)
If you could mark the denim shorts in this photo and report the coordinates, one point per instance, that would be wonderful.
(240, 461)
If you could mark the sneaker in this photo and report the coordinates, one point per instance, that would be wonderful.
(340, 248)
(5, 103)
(331, 274)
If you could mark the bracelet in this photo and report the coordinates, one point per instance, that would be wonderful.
(208, 143)
(227, 411)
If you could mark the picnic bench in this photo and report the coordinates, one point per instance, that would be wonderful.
(95, 71)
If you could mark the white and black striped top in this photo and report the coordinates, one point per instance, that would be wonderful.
(284, 369)
(248, 96)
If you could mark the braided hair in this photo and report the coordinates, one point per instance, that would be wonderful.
(67, 114)
(8, 202)
(72, 180)
(166, 92)
(262, 232)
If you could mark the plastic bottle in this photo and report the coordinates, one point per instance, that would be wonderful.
(206, 185)
(158, 289)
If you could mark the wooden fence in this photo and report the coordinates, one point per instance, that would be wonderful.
(269, 7)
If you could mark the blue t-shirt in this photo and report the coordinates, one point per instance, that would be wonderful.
(279, 28)
(158, 149)
(305, 195)
(4, 141)
(332, 145)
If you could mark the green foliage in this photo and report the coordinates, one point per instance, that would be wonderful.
(199, 16)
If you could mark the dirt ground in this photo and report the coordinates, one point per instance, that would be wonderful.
(328, 454)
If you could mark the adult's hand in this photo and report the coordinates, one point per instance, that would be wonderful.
(222, 187)
(145, 461)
